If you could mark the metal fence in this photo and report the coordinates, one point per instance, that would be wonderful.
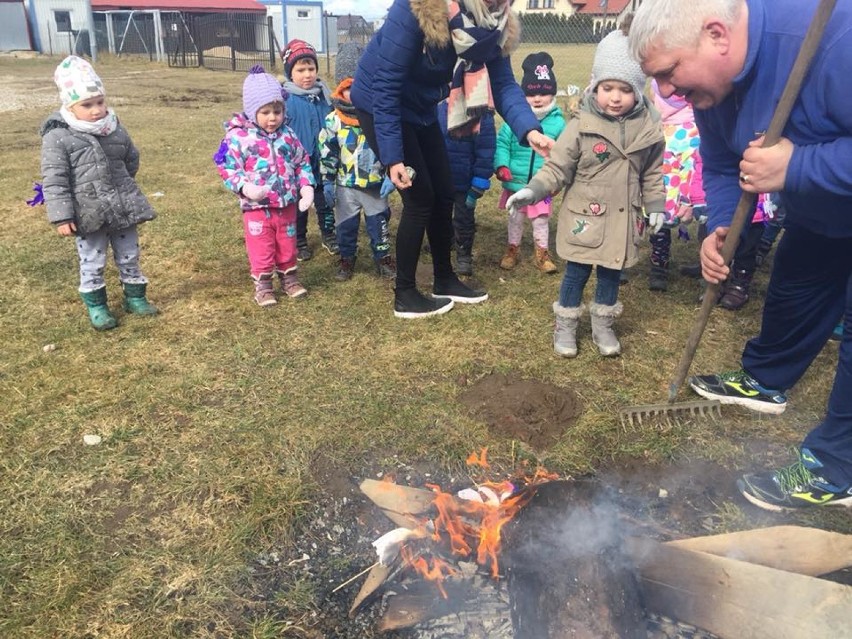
(233, 41)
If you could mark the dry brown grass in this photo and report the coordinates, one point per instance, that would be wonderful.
(212, 413)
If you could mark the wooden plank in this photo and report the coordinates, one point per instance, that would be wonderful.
(377, 577)
(399, 499)
(807, 551)
(734, 599)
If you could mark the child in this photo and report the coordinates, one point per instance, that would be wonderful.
(308, 103)
(735, 290)
(609, 158)
(681, 179)
(352, 176)
(262, 161)
(515, 165)
(88, 164)
(471, 159)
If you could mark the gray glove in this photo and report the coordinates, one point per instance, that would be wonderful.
(656, 221)
(521, 198)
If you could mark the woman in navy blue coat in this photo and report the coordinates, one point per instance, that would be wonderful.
(426, 51)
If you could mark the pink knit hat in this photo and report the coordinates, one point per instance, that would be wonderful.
(260, 89)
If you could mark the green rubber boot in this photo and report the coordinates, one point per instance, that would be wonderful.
(99, 315)
(135, 301)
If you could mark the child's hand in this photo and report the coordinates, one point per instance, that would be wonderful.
(699, 212)
(254, 192)
(329, 193)
(522, 198)
(656, 221)
(684, 213)
(67, 230)
(503, 174)
(306, 198)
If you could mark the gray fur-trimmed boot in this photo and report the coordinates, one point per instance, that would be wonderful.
(602, 334)
(565, 332)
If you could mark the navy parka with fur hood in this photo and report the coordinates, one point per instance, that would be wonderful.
(406, 71)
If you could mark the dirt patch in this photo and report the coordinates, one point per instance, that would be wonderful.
(534, 412)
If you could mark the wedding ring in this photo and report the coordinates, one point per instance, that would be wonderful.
(743, 178)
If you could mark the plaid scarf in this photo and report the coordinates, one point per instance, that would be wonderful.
(476, 29)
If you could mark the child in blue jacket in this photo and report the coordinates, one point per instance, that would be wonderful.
(471, 161)
(308, 104)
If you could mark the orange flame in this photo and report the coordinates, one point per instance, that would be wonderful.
(473, 460)
(435, 572)
(473, 528)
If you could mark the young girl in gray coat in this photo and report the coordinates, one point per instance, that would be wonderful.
(88, 162)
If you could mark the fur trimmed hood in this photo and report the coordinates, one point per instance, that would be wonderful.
(433, 18)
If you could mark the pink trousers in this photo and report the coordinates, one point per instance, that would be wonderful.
(270, 239)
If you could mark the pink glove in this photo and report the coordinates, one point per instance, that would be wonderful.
(306, 197)
(254, 192)
(503, 174)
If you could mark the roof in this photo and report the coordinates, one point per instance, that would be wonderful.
(593, 7)
(187, 6)
(351, 20)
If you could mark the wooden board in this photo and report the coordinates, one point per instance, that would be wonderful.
(807, 551)
(735, 599)
(399, 499)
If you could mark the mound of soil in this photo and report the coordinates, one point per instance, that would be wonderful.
(534, 412)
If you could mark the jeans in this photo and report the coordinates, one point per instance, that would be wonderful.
(427, 205)
(574, 281)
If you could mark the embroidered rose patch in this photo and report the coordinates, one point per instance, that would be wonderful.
(601, 151)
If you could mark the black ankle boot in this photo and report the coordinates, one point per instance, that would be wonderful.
(736, 290)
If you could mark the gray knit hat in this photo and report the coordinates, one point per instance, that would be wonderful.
(259, 89)
(614, 62)
(347, 61)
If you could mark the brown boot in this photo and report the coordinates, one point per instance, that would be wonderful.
(543, 262)
(510, 257)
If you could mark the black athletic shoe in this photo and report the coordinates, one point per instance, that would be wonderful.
(452, 288)
(409, 303)
(329, 243)
(793, 487)
(740, 388)
(304, 253)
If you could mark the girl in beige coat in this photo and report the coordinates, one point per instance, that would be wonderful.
(609, 159)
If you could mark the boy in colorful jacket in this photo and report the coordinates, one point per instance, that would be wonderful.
(352, 177)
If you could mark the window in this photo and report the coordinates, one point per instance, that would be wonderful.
(63, 21)
(548, 4)
(303, 14)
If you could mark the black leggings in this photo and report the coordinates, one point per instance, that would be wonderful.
(427, 205)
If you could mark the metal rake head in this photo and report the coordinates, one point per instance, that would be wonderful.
(669, 414)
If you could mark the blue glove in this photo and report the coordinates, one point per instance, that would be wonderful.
(388, 187)
(329, 192)
(477, 190)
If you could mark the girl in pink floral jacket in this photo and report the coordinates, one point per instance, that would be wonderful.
(263, 162)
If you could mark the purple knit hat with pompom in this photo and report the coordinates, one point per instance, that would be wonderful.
(260, 89)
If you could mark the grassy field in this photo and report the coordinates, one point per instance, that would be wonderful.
(215, 413)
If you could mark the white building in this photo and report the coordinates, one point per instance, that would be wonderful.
(62, 27)
(299, 19)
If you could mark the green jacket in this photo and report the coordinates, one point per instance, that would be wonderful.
(510, 153)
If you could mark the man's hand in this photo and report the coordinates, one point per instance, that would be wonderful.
(712, 265)
(764, 169)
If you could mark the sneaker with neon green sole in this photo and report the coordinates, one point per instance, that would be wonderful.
(740, 388)
(793, 487)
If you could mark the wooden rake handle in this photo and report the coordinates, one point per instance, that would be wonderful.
(745, 207)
